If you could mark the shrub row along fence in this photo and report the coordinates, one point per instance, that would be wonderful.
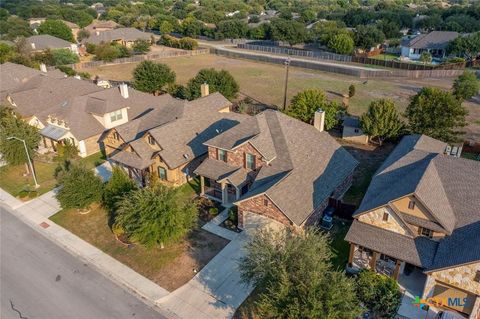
(346, 69)
(348, 58)
(140, 58)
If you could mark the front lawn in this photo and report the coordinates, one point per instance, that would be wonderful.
(338, 245)
(14, 180)
(170, 267)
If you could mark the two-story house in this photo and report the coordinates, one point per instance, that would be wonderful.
(168, 142)
(278, 167)
(420, 221)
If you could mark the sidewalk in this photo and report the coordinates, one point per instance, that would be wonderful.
(9, 200)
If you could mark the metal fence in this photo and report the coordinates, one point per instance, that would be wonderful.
(296, 52)
(140, 58)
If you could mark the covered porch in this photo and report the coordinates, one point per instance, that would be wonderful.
(53, 136)
(364, 258)
(137, 168)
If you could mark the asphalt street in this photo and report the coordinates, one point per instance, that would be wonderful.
(39, 280)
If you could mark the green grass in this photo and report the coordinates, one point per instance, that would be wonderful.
(385, 57)
(13, 181)
(189, 190)
(339, 246)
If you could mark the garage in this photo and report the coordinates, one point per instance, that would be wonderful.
(255, 222)
(454, 299)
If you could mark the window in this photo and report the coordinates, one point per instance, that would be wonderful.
(385, 217)
(162, 173)
(151, 140)
(249, 161)
(425, 232)
(221, 155)
(411, 204)
(116, 116)
(356, 130)
(265, 202)
(116, 136)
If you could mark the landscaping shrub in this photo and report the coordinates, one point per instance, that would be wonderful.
(91, 48)
(213, 211)
(67, 70)
(351, 90)
(64, 56)
(141, 46)
(117, 186)
(67, 150)
(233, 215)
(183, 43)
(79, 187)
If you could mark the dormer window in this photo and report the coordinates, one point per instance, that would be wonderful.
(151, 140)
(116, 116)
(411, 204)
(249, 161)
(221, 155)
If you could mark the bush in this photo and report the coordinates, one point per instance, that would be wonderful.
(185, 43)
(466, 85)
(351, 90)
(213, 211)
(233, 215)
(64, 56)
(67, 70)
(152, 77)
(117, 186)
(79, 187)
(219, 81)
(188, 43)
(91, 48)
(67, 150)
(141, 46)
(106, 52)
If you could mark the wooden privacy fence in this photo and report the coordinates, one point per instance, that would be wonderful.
(140, 58)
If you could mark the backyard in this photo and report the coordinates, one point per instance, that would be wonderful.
(170, 267)
(13, 178)
(264, 82)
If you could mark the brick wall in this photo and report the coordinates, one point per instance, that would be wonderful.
(317, 214)
(237, 157)
(257, 205)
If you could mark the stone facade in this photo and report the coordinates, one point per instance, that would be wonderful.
(461, 277)
(92, 144)
(111, 144)
(257, 205)
(375, 218)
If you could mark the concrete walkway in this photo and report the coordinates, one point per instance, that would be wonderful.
(104, 171)
(9, 200)
(216, 291)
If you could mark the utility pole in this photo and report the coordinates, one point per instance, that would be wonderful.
(287, 64)
(28, 157)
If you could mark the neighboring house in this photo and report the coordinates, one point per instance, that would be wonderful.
(38, 43)
(352, 130)
(435, 43)
(101, 25)
(168, 141)
(420, 222)
(35, 22)
(99, 8)
(278, 167)
(74, 27)
(124, 36)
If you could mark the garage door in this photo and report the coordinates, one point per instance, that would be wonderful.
(455, 299)
(255, 222)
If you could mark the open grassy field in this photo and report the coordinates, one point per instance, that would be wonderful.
(264, 82)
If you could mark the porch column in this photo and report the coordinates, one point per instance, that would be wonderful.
(224, 193)
(373, 261)
(237, 193)
(202, 185)
(350, 255)
(396, 272)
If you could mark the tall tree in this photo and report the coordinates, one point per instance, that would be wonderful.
(295, 278)
(381, 121)
(304, 105)
(289, 31)
(367, 36)
(154, 216)
(13, 151)
(117, 186)
(465, 46)
(57, 28)
(380, 294)
(341, 44)
(466, 85)
(219, 81)
(436, 113)
(152, 77)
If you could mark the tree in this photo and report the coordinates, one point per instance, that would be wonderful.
(152, 77)
(436, 113)
(117, 186)
(56, 28)
(14, 27)
(166, 27)
(64, 56)
(368, 36)
(192, 27)
(82, 34)
(11, 124)
(466, 86)
(295, 278)
(425, 57)
(304, 105)
(219, 81)
(67, 150)
(289, 31)
(141, 46)
(106, 52)
(79, 187)
(154, 216)
(351, 91)
(232, 29)
(381, 121)
(341, 44)
(380, 294)
(465, 46)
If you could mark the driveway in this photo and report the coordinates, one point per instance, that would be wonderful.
(217, 291)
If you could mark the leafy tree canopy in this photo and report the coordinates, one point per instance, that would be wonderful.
(466, 85)
(381, 121)
(154, 216)
(152, 77)
(56, 28)
(117, 186)
(290, 31)
(341, 44)
(436, 113)
(219, 81)
(465, 46)
(368, 36)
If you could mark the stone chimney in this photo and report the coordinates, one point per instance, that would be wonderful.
(204, 89)
(124, 90)
(43, 67)
(319, 120)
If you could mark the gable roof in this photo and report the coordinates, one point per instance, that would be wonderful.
(101, 24)
(46, 41)
(12, 75)
(306, 165)
(107, 36)
(432, 40)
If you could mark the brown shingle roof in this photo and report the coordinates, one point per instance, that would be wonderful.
(46, 41)
(126, 34)
(432, 40)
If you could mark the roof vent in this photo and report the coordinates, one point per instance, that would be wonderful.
(64, 103)
(185, 156)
